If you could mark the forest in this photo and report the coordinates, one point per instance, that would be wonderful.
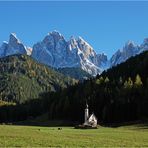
(119, 94)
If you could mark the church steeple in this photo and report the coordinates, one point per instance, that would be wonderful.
(86, 113)
(86, 105)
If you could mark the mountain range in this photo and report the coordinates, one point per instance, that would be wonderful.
(55, 51)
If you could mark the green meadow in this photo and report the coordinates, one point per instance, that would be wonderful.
(32, 136)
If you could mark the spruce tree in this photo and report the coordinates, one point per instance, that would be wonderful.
(138, 82)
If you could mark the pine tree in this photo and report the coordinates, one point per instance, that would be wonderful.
(106, 80)
(100, 80)
(138, 82)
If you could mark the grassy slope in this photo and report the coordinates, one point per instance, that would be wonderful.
(51, 136)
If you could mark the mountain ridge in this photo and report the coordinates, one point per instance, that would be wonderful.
(55, 51)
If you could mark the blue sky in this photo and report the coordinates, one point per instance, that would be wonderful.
(106, 26)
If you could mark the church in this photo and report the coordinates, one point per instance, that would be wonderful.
(90, 120)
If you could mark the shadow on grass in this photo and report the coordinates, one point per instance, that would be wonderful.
(140, 124)
(54, 123)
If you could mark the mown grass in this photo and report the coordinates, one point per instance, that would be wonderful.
(29, 136)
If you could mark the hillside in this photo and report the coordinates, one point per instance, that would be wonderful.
(22, 78)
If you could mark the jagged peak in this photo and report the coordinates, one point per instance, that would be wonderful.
(56, 33)
(13, 34)
(81, 40)
(72, 38)
(118, 51)
(101, 54)
(144, 45)
(130, 43)
(13, 38)
(145, 41)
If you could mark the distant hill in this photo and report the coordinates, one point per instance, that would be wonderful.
(22, 79)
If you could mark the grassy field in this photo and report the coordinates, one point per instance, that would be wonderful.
(31, 136)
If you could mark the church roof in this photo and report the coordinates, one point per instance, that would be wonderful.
(93, 116)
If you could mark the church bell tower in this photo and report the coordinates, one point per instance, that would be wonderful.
(86, 114)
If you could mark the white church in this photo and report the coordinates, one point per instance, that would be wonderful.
(90, 120)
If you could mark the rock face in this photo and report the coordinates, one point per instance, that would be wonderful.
(144, 45)
(130, 49)
(14, 46)
(55, 51)
(102, 61)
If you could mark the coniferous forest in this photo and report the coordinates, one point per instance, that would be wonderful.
(119, 94)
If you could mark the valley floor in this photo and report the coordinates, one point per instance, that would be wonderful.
(32, 136)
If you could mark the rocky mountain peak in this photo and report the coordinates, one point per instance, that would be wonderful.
(144, 45)
(55, 51)
(14, 46)
(72, 43)
(102, 56)
(55, 35)
(80, 39)
(129, 49)
(83, 43)
(129, 45)
(13, 39)
(85, 47)
(145, 41)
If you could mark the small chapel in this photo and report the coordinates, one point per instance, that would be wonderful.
(90, 120)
